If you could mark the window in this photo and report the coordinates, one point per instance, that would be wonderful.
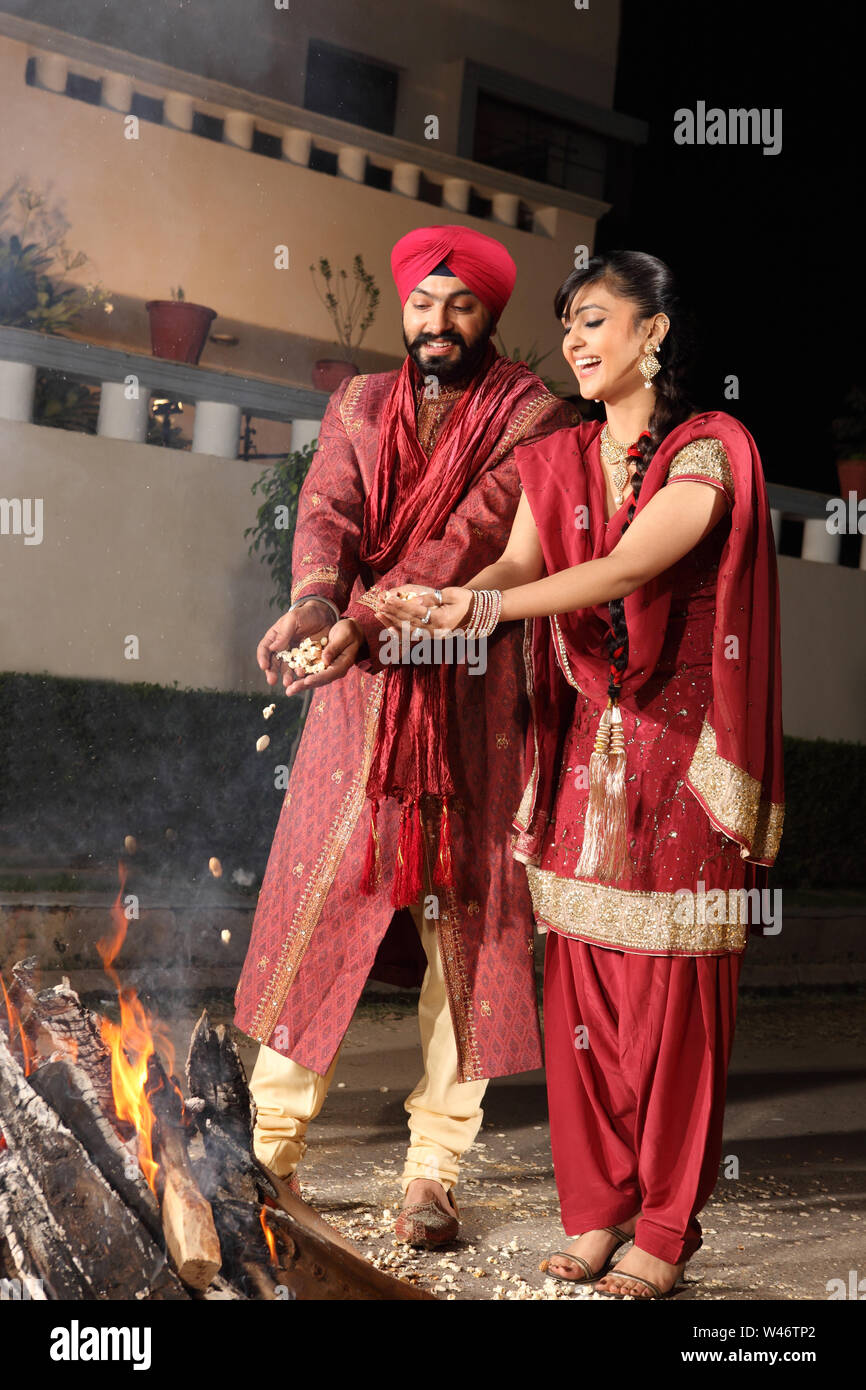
(350, 87)
(538, 146)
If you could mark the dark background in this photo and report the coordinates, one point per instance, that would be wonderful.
(768, 249)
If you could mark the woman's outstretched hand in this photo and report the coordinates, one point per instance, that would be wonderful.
(445, 617)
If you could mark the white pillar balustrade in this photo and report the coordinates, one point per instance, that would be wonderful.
(544, 221)
(17, 389)
(122, 418)
(352, 163)
(455, 194)
(506, 207)
(297, 145)
(217, 429)
(819, 543)
(117, 91)
(238, 127)
(406, 179)
(177, 110)
(51, 71)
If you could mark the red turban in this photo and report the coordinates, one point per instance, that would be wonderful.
(483, 264)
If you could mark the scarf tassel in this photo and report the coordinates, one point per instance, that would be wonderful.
(408, 875)
(605, 843)
(371, 873)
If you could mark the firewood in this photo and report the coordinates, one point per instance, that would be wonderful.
(187, 1217)
(83, 1240)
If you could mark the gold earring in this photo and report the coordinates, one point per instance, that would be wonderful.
(649, 365)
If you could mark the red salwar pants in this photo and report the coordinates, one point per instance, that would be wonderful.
(637, 1050)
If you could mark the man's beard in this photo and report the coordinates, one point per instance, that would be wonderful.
(456, 373)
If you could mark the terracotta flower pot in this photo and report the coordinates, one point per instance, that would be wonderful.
(329, 372)
(178, 329)
(852, 476)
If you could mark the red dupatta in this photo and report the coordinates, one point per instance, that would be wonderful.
(736, 771)
(410, 502)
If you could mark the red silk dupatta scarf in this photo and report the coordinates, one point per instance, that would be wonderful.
(409, 503)
(736, 770)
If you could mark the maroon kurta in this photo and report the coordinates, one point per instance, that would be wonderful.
(315, 937)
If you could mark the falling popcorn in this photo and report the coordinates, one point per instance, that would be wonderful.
(215, 867)
(262, 743)
(225, 936)
(130, 844)
(268, 711)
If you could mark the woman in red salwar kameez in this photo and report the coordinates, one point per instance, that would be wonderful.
(655, 786)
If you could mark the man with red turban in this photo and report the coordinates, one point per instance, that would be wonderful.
(392, 854)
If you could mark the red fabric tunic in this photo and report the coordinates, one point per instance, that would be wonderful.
(315, 938)
(674, 844)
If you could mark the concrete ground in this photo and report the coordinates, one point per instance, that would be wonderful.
(788, 1219)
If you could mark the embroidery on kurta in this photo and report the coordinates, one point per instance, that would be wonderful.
(632, 920)
(527, 801)
(732, 799)
(349, 405)
(318, 885)
(324, 574)
(705, 459)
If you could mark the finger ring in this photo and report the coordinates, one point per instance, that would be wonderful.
(426, 617)
(437, 594)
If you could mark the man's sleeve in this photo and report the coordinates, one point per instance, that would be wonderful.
(330, 514)
(476, 532)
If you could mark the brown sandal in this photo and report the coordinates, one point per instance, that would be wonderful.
(589, 1275)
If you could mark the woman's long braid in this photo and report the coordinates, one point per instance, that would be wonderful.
(672, 407)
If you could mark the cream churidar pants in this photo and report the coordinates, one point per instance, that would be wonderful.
(444, 1114)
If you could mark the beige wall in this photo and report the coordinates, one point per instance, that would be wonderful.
(172, 208)
(146, 541)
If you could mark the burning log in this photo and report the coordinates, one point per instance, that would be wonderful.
(82, 1238)
(187, 1218)
(305, 1258)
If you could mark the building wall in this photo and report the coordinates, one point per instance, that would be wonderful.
(145, 541)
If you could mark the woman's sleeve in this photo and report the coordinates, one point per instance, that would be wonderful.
(704, 461)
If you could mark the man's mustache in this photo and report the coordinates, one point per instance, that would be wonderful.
(424, 338)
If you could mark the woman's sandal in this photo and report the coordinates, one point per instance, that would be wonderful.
(655, 1291)
(589, 1275)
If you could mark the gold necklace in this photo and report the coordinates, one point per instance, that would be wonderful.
(615, 455)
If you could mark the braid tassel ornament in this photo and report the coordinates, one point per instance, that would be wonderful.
(605, 841)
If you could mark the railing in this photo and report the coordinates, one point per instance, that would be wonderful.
(129, 379)
(68, 65)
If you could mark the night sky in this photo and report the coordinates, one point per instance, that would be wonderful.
(768, 248)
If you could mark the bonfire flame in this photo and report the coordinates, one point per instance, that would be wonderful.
(269, 1235)
(13, 1023)
(132, 1044)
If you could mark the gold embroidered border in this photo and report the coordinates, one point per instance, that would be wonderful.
(527, 801)
(325, 574)
(319, 883)
(371, 598)
(349, 404)
(733, 799)
(562, 654)
(707, 458)
(459, 991)
(627, 920)
(523, 421)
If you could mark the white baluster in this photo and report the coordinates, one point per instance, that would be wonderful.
(544, 221)
(51, 71)
(238, 127)
(117, 91)
(505, 208)
(352, 163)
(455, 194)
(122, 418)
(177, 110)
(818, 543)
(406, 179)
(217, 429)
(297, 145)
(17, 389)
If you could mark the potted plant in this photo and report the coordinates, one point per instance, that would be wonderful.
(34, 260)
(849, 432)
(178, 328)
(351, 304)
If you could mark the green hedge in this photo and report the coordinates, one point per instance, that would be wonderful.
(84, 763)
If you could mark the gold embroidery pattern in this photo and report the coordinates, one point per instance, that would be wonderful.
(527, 801)
(704, 458)
(349, 405)
(732, 799)
(627, 920)
(319, 883)
(562, 654)
(325, 574)
(432, 413)
(459, 991)
(523, 421)
(485, 1008)
(371, 598)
